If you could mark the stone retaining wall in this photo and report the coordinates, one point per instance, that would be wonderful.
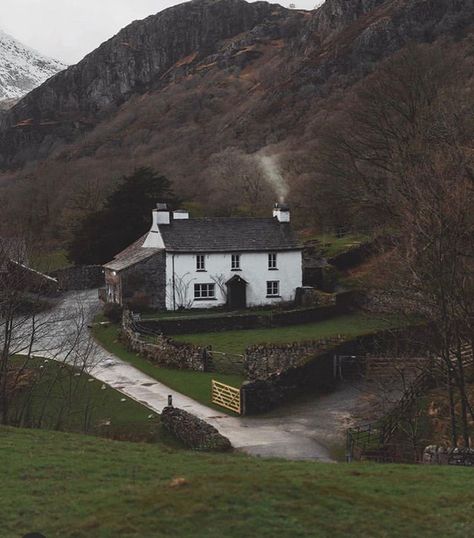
(168, 353)
(192, 431)
(310, 365)
(82, 277)
(253, 320)
(261, 361)
(263, 395)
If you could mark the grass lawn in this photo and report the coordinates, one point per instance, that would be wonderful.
(331, 245)
(71, 485)
(61, 400)
(196, 385)
(237, 341)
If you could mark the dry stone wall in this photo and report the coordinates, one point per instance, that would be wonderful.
(251, 320)
(82, 277)
(192, 431)
(262, 361)
(438, 455)
(166, 352)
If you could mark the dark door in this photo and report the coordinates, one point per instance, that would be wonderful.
(236, 293)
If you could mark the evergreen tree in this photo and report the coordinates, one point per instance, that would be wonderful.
(125, 216)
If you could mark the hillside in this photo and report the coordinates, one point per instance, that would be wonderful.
(203, 89)
(22, 68)
(71, 485)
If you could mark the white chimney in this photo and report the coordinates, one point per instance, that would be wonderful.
(160, 217)
(181, 214)
(281, 212)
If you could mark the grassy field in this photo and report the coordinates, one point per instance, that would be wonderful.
(331, 245)
(58, 399)
(196, 385)
(50, 261)
(71, 485)
(237, 341)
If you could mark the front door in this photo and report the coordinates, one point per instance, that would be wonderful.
(236, 293)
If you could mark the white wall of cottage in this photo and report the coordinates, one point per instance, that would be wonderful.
(254, 269)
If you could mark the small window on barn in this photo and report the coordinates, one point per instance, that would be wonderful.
(235, 265)
(204, 291)
(272, 261)
(273, 288)
(200, 262)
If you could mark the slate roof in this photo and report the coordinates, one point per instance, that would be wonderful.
(133, 254)
(236, 234)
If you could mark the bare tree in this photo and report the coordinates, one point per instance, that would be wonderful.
(406, 159)
(30, 331)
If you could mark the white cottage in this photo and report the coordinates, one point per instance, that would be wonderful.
(184, 262)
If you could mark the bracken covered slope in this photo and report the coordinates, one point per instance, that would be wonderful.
(177, 89)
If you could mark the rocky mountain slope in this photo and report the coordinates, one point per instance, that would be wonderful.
(178, 89)
(22, 68)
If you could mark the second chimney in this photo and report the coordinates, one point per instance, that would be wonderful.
(281, 212)
(180, 214)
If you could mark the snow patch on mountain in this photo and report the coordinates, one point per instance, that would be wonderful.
(22, 69)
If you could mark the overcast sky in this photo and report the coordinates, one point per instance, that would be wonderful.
(69, 29)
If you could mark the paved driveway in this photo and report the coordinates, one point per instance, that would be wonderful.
(307, 429)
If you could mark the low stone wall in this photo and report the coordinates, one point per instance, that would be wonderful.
(310, 365)
(168, 353)
(192, 431)
(82, 277)
(438, 455)
(253, 320)
(261, 361)
(263, 395)
(359, 254)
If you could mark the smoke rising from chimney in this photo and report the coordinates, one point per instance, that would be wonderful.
(271, 169)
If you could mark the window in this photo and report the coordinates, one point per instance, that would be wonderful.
(273, 288)
(235, 262)
(200, 263)
(272, 261)
(204, 291)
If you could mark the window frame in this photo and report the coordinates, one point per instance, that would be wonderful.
(272, 261)
(200, 263)
(235, 262)
(273, 288)
(201, 287)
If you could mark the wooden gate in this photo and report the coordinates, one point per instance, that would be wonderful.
(226, 396)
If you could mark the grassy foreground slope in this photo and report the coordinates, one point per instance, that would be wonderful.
(71, 485)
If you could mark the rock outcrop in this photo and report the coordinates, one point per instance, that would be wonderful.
(136, 60)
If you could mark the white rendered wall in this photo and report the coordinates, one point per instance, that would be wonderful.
(254, 269)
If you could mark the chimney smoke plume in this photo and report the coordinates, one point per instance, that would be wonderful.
(271, 169)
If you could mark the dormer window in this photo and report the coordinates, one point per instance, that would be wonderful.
(272, 261)
(235, 263)
(200, 262)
